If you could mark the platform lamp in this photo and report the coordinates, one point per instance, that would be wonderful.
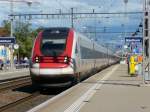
(140, 25)
(138, 30)
(125, 2)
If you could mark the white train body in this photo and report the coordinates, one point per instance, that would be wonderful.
(79, 57)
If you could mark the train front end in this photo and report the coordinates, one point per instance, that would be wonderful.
(51, 64)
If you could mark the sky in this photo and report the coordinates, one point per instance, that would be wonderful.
(105, 23)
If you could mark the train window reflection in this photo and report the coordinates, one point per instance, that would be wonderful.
(53, 47)
(53, 42)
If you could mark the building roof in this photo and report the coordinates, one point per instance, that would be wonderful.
(3, 32)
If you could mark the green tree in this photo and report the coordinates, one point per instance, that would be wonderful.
(24, 38)
(5, 30)
(6, 24)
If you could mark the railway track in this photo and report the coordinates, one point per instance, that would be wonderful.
(17, 102)
(17, 95)
(15, 83)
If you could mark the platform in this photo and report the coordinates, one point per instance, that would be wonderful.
(111, 90)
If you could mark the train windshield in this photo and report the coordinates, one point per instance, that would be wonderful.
(54, 41)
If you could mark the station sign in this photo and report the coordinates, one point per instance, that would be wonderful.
(7, 40)
(133, 39)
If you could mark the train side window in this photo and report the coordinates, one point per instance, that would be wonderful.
(146, 48)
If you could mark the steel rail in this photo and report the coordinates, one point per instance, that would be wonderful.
(19, 101)
(15, 83)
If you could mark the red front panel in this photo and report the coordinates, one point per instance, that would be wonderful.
(69, 43)
(52, 65)
(57, 62)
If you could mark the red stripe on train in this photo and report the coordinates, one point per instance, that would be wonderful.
(36, 49)
(69, 43)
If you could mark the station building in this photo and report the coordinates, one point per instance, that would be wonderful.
(4, 49)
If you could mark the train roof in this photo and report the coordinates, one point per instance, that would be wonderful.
(61, 28)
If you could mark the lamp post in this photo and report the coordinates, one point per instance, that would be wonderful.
(143, 32)
(125, 2)
(123, 25)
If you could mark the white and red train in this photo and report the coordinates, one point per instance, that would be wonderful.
(61, 57)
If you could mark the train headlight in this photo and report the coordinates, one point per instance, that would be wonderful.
(37, 59)
(66, 59)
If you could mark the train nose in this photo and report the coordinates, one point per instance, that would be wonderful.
(52, 76)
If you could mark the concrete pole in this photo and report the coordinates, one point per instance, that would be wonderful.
(72, 22)
(11, 34)
(94, 25)
(143, 31)
(143, 68)
(11, 19)
(125, 1)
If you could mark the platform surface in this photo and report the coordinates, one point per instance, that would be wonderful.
(111, 90)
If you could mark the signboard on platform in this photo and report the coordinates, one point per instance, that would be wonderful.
(7, 40)
(133, 39)
(134, 44)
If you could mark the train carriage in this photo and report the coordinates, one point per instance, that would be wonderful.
(61, 57)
